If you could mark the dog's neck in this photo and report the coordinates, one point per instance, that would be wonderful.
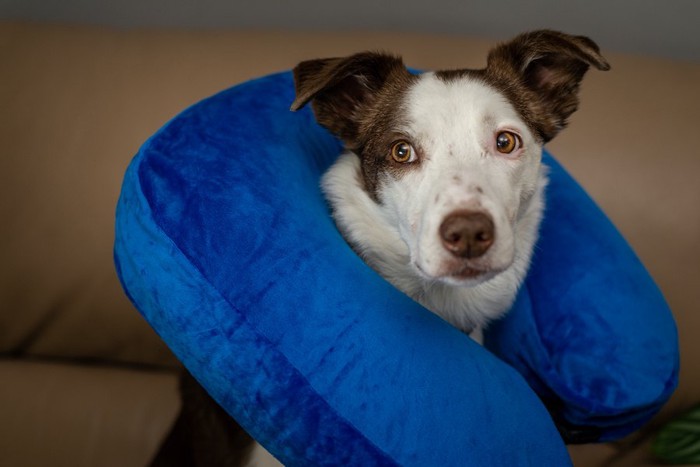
(378, 242)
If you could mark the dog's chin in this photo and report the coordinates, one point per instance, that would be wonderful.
(464, 276)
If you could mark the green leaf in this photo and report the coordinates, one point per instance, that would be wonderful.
(678, 442)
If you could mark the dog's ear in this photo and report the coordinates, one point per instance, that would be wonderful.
(547, 67)
(341, 90)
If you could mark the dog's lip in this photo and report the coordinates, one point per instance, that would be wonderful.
(467, 273)
(463, 273)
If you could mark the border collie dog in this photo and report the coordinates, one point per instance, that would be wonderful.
(441, 187)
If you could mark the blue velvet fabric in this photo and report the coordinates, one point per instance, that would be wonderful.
(225, 245)
(591, 331)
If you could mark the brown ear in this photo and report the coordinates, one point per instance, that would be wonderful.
(547, 67)
(342, 89)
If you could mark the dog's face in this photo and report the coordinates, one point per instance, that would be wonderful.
(452, 158)
(459, 164)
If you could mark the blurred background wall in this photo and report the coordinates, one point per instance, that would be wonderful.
(646, 27)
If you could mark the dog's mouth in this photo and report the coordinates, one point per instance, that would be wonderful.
(463, 275)
(467, 273)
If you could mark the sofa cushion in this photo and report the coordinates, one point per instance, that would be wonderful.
(62, 414)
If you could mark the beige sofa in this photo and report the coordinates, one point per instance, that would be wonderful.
(84, 382)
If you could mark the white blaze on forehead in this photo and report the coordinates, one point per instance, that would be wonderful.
(455, 110)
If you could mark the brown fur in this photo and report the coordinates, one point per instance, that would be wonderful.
(204, 434)
(540, 72)
(360, 98)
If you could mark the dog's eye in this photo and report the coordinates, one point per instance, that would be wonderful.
(402, 152)
(507, 142)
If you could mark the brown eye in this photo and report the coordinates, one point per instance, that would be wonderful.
(507, 142)
(402, 152)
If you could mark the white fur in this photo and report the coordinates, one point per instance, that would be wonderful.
(452, 124)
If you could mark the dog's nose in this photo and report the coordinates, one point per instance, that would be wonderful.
(467, 234)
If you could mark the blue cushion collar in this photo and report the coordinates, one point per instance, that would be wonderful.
(225, 245)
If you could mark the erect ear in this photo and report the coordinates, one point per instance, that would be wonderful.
(341, 90)
(548, 66)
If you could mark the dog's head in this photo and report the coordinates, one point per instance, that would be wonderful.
(452, 157)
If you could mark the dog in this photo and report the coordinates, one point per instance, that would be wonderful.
(441, 186)
(440, 189)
